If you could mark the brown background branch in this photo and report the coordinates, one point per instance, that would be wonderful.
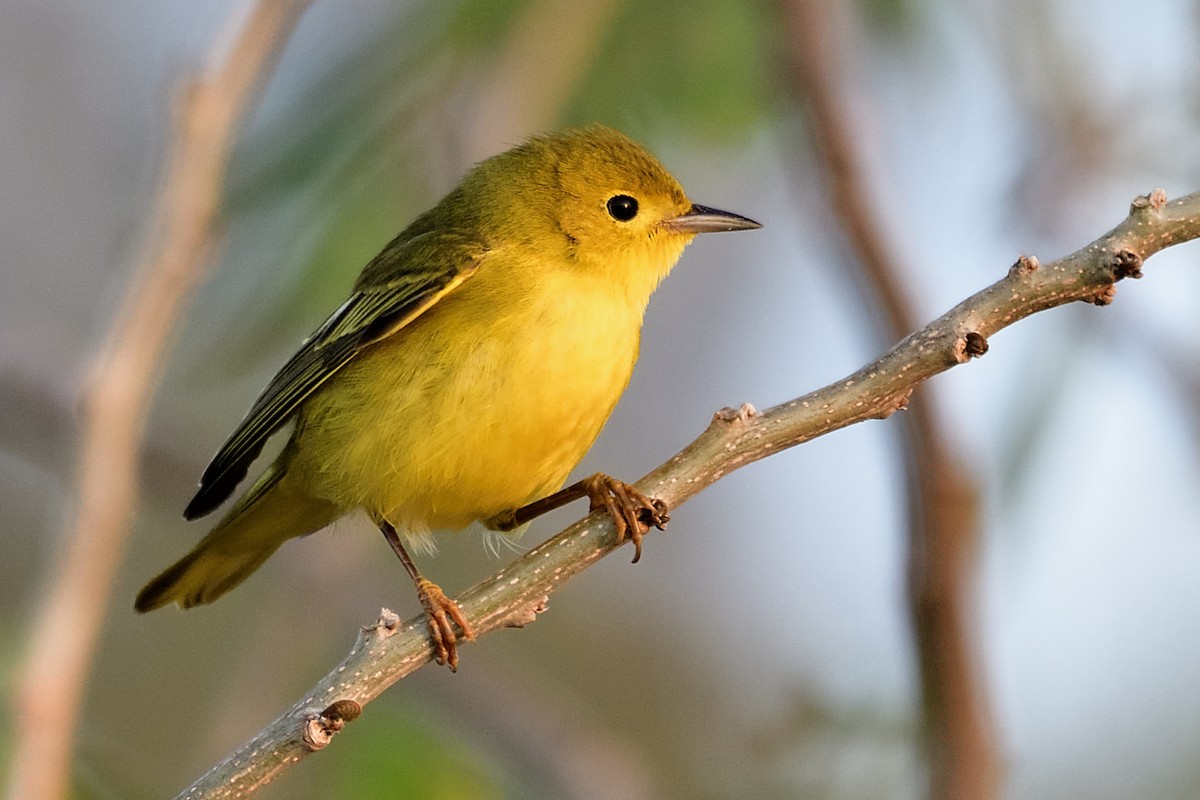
(943, 521)
(117, 394)
(389, 649)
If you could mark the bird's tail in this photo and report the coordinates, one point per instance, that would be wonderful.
(269, 514)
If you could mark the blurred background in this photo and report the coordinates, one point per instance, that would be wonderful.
(764, 645)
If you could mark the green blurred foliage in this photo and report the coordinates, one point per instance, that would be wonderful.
(389, 753)
(895, 19)
(702, 70)
(480, 25)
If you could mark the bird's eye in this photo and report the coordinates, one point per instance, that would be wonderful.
(622, 207)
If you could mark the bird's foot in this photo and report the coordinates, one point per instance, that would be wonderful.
(440, 610)
(633, 512)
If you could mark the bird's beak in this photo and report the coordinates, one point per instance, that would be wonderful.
(702, 219)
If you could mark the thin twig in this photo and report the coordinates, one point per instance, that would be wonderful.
(943, 523)
(117, 394)
(389, 649)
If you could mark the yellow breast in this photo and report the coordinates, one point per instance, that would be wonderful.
(483, 404)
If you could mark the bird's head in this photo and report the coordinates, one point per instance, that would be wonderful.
(606, 202)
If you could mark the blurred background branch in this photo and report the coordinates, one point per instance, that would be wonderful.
(943, 520)
(116, 398)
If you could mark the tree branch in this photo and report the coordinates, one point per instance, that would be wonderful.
(389, 649)
(117, 394)
(943, 496)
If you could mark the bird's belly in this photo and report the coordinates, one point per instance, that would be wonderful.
(433, 435)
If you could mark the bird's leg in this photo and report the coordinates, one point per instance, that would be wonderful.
(632, 511)
(439, 609)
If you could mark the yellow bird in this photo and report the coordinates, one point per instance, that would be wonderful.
(472, 367)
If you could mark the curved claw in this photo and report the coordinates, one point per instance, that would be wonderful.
(632, 511)
(439, 611)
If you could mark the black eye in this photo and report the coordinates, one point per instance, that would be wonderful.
(622, 207)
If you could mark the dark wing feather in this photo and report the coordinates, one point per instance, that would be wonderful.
(401, 283)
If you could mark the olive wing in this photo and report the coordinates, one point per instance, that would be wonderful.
(407, 278)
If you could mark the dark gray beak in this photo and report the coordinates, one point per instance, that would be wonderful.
(702, 219)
